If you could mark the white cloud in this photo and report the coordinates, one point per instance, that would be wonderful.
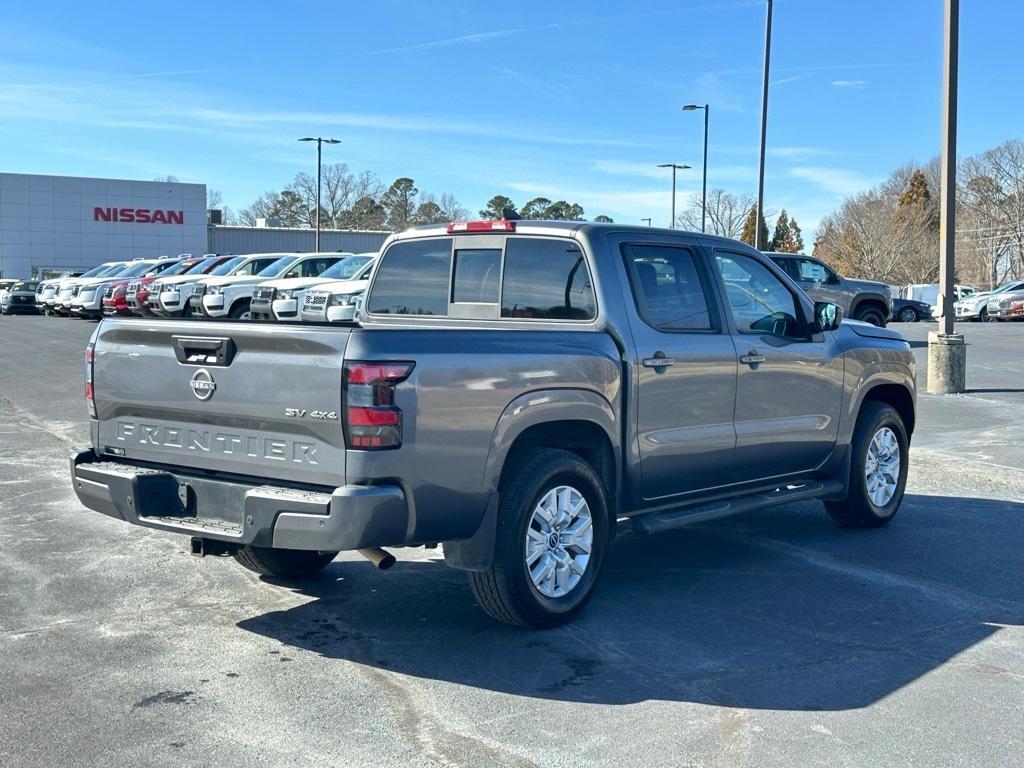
(856, 84)
(841, 182)
(476, 37)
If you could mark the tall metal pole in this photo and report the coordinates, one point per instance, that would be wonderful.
(319, 167)
(704, 193)
(947, 184)
(947, 351)
(764, 127)
(673, 225)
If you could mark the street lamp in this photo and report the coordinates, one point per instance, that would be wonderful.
(764, 125)
(675, 167)
(647, 220)
(319, 142)
(704, 190)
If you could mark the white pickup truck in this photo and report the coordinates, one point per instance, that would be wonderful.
(336, 301)
(280, 299)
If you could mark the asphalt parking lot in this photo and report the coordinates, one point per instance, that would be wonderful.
(768, 639)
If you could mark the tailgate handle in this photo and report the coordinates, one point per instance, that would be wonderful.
(203, 350)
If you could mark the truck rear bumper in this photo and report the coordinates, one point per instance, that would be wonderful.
(349, 517)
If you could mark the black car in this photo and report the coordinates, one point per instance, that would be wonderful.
(20, 297)
(910, 311)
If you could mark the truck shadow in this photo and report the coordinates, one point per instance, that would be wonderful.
(778, 610)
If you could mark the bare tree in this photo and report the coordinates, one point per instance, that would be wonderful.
(339, 191)
(261, 208)
(725, 216)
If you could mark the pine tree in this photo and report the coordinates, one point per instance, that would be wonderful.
(753, 226)
(798, 236)
(781, 240)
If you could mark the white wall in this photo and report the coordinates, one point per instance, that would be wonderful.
(49, 221)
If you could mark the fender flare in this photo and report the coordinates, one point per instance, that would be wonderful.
(868, 298)
(537, 407)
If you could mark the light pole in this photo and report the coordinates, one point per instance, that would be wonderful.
(647, 220)
(674, 167)
(947, 352)
(764, 126)
(319, 165)
(704, 185)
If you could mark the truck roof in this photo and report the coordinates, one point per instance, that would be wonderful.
(564, 228)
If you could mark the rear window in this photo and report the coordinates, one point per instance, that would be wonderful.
(533, 278)
(413, 279)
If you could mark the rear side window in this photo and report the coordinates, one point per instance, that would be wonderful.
(546, 279)
(412, 279)
(667, 287)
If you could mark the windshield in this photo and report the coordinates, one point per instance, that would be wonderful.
(228, 265)
(346, 268)
(1006, 287)
(202, 266)
(180, 268)
(134, 270)
(277, 267)
(95, 271)
(24, 285)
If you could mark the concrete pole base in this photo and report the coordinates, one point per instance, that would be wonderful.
(947, 363)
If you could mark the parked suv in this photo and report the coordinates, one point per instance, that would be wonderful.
(169, 296)
(276, 299)
(511, 390)
(336, 301)
(859, 299)
(19, 297)
(88, 302)
(230, 295)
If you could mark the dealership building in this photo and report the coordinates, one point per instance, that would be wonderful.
(54, 223)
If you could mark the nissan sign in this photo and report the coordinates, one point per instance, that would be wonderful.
(138, 215)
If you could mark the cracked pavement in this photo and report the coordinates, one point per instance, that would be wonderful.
(767, 639)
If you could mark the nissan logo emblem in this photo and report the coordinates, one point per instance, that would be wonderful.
(202, 384)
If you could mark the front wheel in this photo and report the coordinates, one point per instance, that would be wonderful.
(241, 311)
(878, 469)
(872, 316)
(552, 534)
(285, 563)
(908, 315)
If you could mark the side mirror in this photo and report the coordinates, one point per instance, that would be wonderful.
(827, 316)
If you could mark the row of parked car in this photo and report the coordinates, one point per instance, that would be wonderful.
(286, 287)
(1003, 303)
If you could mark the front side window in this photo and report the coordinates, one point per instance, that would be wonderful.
(412, 279)
(667, 288)
(546, 279)
(758, 300)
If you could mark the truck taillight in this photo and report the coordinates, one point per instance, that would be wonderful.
(372, 421)
(500, 225)
(89, 395)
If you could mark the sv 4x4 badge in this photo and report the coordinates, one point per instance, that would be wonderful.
(302, 413)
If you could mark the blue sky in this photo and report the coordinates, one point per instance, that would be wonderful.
(572, 100)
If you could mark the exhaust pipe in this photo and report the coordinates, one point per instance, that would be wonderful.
(382, 559)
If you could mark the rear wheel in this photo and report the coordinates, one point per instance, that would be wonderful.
(286, 563)
(872, 315)
(908, 315)
(551, 538)
(878, 469)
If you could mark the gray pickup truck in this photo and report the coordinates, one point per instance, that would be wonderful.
(863, 300)
(517, 391)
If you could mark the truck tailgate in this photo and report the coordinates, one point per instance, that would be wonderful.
(245, 398)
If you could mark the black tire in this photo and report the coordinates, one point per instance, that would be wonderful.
(239, 310)
(285, 563)
(983, 316)
(505, 591)
(858, 510)
(908, 315)
(871, 315)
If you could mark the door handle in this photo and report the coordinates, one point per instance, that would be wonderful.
(752, 358)
(658, 362)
